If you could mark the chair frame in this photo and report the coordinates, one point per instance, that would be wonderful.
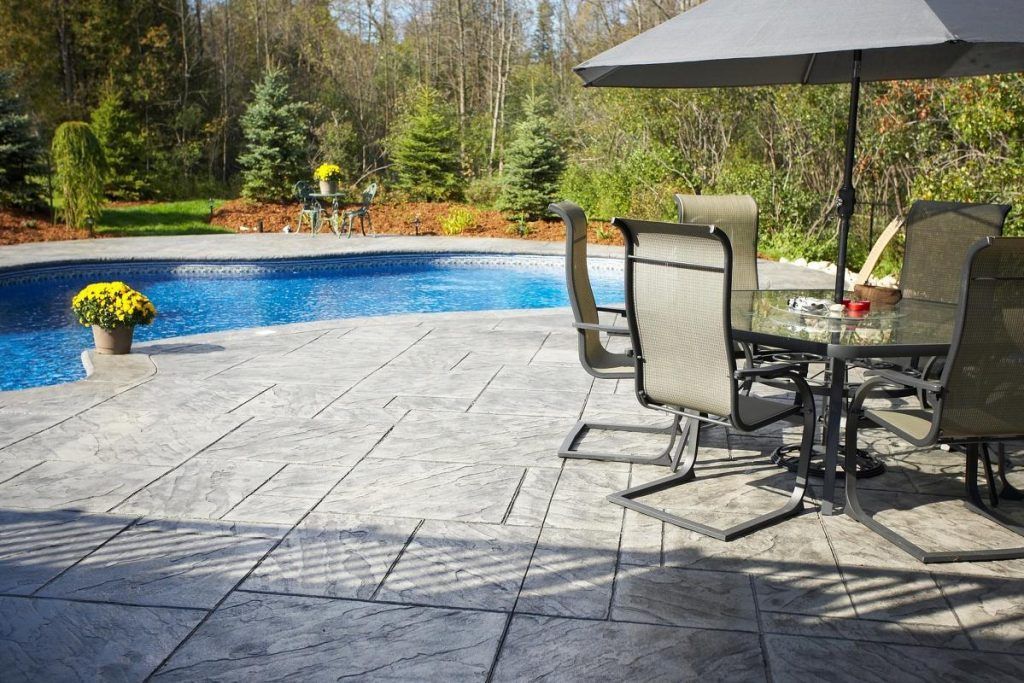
(804, 407)
(311, 212)
(977, 448)
(362, 213)
(676, 431)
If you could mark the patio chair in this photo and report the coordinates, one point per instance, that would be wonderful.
(736, 216)
(938, 236)
(362, 212)
(594, 356)
(678, 299)
(977, 400)
(941, 234)
(311, 211)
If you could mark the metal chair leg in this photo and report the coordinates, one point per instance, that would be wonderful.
(974, 499)
(1007, 491)
(974, 502)
(794, 505)
(669, 457)
(990, 477)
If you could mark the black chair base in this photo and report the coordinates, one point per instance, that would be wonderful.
(974, 502)
(868, 466)
(629, 498)
(669, 457)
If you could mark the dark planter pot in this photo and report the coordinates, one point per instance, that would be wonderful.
(113, 342)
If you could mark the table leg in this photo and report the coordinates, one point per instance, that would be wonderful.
(833, 414)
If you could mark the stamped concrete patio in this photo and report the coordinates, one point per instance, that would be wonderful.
(380, 498)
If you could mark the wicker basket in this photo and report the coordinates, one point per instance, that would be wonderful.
(879, 295)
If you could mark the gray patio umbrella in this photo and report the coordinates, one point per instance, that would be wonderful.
(731, 43)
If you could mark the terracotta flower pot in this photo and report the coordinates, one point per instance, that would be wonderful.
(328, 187)
(113, 342)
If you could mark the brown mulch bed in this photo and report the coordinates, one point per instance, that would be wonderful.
(243, 215)
(17, 227)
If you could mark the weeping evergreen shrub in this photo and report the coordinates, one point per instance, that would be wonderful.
(80, 169)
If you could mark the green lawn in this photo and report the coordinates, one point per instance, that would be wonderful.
(164, 218)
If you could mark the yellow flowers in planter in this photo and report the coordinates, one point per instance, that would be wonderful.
(327, 173)
(112, 305)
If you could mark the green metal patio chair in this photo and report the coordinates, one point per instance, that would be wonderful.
(678, 298)
(362, 212)
(594, 356)
(977, 401)
(311, 212)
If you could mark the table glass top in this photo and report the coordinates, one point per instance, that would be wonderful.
(886, 328)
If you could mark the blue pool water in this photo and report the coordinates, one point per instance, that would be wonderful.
(40, 342)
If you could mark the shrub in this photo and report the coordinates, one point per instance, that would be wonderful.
(484, 191)
(423, 148)
(336, 138)
(274, 127)
(520, 228)
(457, 220)
(20, 152)
(81, 169)
(534, 162)
(111, 305)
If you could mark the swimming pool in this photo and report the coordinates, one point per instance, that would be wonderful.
(40, 342)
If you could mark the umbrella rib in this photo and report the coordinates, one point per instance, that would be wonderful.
(807, 71)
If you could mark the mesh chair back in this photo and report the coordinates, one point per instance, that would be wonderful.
(938, 237)
(577, 280)
(984, 373)
(677, 303)
(736, 216)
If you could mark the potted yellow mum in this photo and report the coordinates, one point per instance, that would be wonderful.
(113, 309)
(328, 175)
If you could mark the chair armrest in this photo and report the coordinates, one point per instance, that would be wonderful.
(765, 371)
(621, 310)
(784, 370)
(610, 329)
(903, 379)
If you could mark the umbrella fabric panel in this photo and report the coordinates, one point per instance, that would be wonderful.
(764, 42)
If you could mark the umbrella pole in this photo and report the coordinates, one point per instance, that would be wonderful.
(847, 195)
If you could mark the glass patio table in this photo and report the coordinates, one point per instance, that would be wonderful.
(907, 329)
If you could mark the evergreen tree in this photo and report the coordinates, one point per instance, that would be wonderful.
(424, 146)
(123, 145)
(543, 35)
(275, 131)
(80, 169)
(20, 152)
(534, 162)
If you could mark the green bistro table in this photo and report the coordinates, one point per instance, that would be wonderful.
(910, 328)
(337, 199)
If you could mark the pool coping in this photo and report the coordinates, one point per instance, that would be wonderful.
(282, 247)
(264, 247)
